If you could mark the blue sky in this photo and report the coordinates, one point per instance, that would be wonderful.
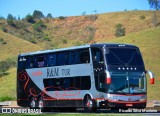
(68, 7)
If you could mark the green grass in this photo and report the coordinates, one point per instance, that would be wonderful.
(8, 85)
(7, 98)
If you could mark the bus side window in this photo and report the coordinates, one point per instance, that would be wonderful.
(97, 56)
(32, 62)
(73, 57)
(84, 56)
(41, 61)
(62, 58)
(51, 60)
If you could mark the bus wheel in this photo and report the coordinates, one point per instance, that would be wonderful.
(32, 103)
(41, 104)
(88, 104)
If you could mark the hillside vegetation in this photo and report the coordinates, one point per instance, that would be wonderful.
(14, 46)
(51, 33)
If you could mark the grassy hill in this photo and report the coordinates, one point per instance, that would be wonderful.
(14, 46)
(71, 31)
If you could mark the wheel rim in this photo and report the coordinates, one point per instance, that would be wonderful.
(40, 103)
(89, 103)
(33, 103)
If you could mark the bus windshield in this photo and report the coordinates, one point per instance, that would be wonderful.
(127, 82)
(123, 57)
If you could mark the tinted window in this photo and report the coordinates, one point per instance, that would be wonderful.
(124, 56)
(52, 60)
(32, 62)
(62, 58)
(97, 56)
(68, 83)
(84, 56)
(73, 57)
(41, 61)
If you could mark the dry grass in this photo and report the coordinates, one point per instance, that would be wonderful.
(15, 46)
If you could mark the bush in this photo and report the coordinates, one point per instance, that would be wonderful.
(2, 41)
(142, 17)
(11, 23)
(39, 26)
(32, 40)
(61, 17)
(30, 19)
(64, 41)
(46, 38)
(4, 29)
(120, 31)
(5, 65)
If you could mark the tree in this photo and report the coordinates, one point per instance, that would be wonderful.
(10, 20)
(39, 26)
(30, 19)
(120, 31)
(155, 4)
(49, 15)
(38, 14)
(10, 17)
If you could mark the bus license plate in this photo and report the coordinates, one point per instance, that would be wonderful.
(129, 104)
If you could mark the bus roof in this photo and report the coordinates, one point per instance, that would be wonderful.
(80, 47)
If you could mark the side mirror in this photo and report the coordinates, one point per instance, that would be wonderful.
(108, 77)
(151, 76)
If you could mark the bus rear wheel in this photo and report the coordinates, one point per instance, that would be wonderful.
(88, 104)
(32, 103)
(40, 103)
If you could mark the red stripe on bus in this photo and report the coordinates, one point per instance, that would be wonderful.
(128, 102)
(63, 99)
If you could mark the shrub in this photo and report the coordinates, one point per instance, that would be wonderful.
(46, 38)
(120, 31)
(4, 42)
(1, 40)
(4, 29)
(32, 40)
(5, 65)
(11, 22)
(39, 26)
(62, 17)
(142, 17)
(64, 41)
(30, 19)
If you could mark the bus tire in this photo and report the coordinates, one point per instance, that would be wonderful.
(32, 103)
(89, 104)
(40, 103)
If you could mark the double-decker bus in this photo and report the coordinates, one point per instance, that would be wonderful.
(90, 76)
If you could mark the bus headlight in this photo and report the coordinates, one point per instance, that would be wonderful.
(143, 98)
